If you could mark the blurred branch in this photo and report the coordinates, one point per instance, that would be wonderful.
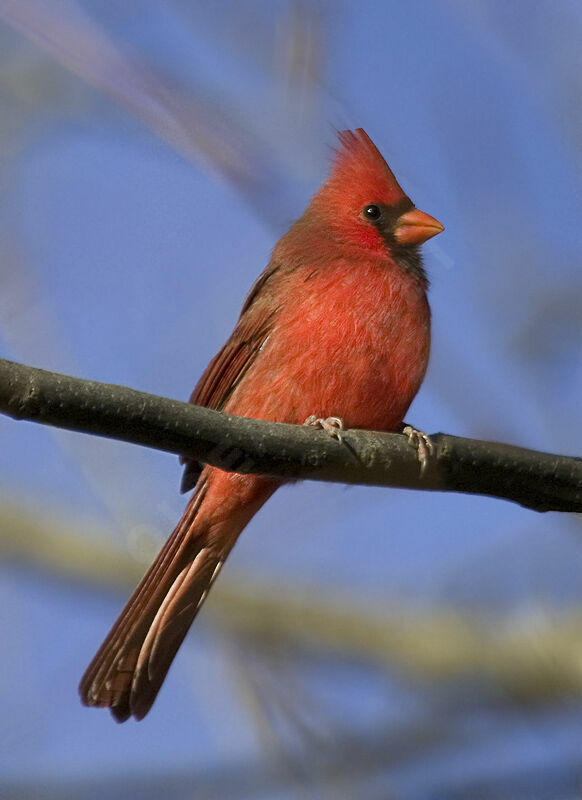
(208, 133)
(365, 758)
(362, 757)
(536, 480)
(532, 659)
(539, 481)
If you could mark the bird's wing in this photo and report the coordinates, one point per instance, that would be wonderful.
(229, 365)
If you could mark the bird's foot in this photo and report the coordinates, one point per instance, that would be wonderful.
(331, 425)
(422, 444)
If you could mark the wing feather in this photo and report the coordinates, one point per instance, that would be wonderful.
(230, 364)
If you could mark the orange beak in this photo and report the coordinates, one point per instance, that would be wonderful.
(416, 227)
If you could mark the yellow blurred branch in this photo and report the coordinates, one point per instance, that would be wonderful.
(530, 660)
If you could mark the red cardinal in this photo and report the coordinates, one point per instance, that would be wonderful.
(337, 326)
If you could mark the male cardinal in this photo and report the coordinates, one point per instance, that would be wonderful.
(337, 328)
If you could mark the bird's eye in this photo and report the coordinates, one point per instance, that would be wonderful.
(373, 212)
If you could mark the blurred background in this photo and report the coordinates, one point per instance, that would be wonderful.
(361, 643)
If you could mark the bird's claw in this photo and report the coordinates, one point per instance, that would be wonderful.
(422, 444)
(331, 425)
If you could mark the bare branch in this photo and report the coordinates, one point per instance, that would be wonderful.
(539, 481)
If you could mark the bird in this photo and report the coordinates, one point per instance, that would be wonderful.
(335, 332)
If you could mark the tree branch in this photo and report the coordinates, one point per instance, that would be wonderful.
(539, 481)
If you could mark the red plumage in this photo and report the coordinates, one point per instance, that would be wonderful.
(337, 325)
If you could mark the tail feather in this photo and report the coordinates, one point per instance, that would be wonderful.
(118, 677)
(169, 628)
(108, 680)
(135, 615)
(130, 666)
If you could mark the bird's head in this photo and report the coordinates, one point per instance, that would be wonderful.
(363, 205)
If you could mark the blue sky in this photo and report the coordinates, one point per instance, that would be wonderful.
(129, 264)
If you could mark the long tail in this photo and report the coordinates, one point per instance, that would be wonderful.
(130, 666)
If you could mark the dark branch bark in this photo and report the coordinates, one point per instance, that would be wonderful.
(539, 481)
